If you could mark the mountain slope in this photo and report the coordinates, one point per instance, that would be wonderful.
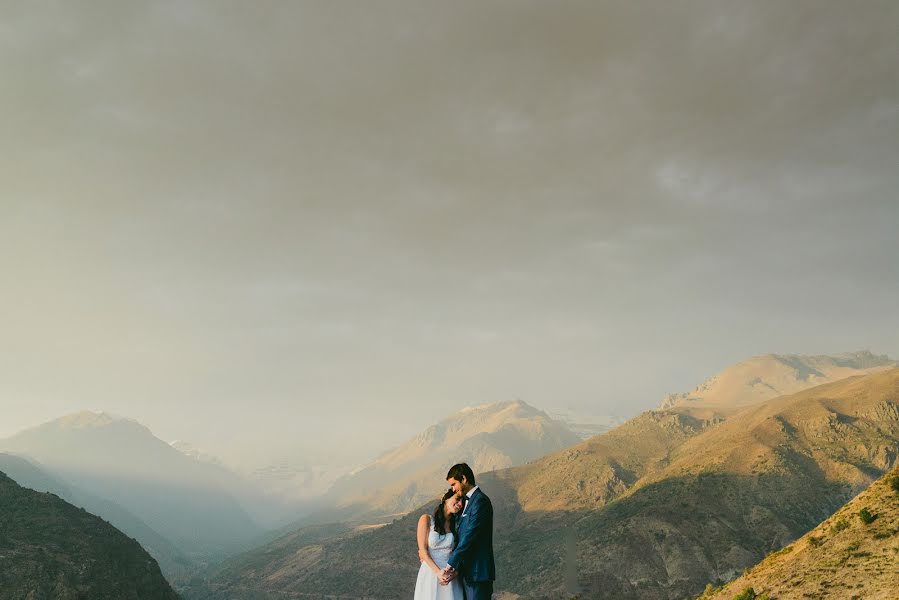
(488, 437)
(653, 509)
(765, 377)
(121, 461)
(29, 475)
(51, 550)
(843, 557)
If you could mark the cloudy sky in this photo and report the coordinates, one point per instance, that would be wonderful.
(260, 226)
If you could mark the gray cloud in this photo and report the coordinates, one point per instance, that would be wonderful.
(374, 213)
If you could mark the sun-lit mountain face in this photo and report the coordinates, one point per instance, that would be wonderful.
(741, 489)
(487, 437)
(764, 377)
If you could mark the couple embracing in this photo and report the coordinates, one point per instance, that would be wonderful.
(455, 544)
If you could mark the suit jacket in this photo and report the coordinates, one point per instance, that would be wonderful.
(473, 555)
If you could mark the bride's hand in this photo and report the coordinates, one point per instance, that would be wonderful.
(447, 575)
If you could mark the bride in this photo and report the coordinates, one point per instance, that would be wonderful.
(436, 540)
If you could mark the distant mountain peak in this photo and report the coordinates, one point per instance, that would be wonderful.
(483, 418)
(486, 436)
(87, 418)
(83, 420)
(471, 420)
(198, 454)
(500, 406)
(767, 376)
(864, 359)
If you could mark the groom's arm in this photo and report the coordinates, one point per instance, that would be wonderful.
(481, 518)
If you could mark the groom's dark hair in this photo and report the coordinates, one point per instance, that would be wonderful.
(457, 471)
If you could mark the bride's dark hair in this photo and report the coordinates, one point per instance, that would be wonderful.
(440, 517)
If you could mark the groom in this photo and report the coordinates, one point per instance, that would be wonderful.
(473, 555)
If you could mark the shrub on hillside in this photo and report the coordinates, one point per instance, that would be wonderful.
(866, 516)
(747, 594)
(784, 550)
(894, 483)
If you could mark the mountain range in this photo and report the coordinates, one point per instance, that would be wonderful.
(697, 491)
(655, 508)
(187, 508)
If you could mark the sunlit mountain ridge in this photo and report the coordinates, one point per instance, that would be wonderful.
(765, 377)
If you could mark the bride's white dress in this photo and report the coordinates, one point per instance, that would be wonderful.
(428, 587)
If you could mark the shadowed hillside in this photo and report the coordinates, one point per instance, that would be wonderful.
(32, 476)
(852, 554)
(50, 550)
(654, 509)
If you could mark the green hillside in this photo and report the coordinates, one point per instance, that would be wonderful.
(50, 550)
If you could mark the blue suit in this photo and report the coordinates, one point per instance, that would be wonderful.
(473, 556)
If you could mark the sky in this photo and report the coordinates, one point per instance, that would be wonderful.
(311, 229)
